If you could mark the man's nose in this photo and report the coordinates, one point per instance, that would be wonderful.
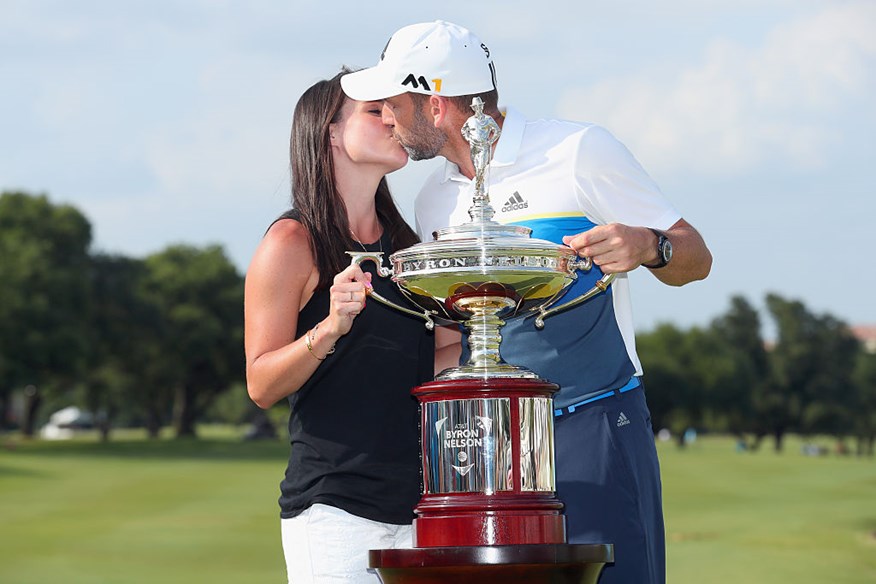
(386, 114)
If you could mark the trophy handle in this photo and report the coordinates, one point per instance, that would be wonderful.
(377, 257)
(583, 264)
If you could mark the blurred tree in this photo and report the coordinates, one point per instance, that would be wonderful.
(126, 330)
(44, 298)
(740, 330)
(829, 399)
(200, 298)
(690, 378)
(864, 408)
(717, 391)
(667, 379)
(810, 389)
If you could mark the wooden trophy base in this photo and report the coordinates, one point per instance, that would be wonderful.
(514, 564)
(486, 520)
(515, 534)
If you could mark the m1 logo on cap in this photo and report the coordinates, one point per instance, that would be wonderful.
(420, 82)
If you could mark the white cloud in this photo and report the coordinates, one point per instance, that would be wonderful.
(219, 146)
(745, 107)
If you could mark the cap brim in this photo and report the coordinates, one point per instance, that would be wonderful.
(369, 85)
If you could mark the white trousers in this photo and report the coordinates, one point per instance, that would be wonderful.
(325, 545)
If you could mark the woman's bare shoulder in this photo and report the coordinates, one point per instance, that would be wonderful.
(286, 245)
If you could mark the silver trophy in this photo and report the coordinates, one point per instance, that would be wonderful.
(489, 485)
(487, 425)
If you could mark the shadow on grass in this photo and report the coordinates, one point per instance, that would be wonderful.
(176, 449)
(18, 472)
(868, 526)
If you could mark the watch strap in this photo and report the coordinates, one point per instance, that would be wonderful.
(661, 256)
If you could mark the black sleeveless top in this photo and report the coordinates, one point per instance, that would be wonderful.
(353, 426)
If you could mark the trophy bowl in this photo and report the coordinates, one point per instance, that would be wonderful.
(480, 274)
(448, 276)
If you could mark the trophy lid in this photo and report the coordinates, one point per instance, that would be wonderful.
(481, 229)
(479, 238)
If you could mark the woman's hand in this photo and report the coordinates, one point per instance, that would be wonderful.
(347, 296)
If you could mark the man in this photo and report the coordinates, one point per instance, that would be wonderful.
(572, 183)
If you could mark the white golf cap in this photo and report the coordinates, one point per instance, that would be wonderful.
(434, 58)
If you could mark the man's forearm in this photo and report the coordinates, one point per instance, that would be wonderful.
(691, 258)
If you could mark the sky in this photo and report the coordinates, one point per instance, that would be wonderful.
(167, 122)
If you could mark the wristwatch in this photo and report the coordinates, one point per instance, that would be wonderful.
(664, 250)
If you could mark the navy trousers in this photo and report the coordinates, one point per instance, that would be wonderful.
(608, 477)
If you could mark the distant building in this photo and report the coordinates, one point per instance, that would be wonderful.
(866, 333)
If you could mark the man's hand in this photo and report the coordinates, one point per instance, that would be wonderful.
(615, 248)
(618, 248)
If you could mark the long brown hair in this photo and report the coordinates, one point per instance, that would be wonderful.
(315, 198)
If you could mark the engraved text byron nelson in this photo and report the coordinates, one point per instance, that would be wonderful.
(522, 261)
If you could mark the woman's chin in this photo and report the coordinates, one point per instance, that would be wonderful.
(401, 164)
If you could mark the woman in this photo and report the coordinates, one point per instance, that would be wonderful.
(347, 370)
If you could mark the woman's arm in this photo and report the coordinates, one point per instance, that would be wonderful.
(279, 281)
(448, 347)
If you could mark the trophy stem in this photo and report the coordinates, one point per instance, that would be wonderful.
(484, 338)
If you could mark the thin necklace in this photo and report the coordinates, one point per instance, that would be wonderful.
(362, 245)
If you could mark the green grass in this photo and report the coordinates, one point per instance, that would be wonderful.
(136, 511)
(765, 518)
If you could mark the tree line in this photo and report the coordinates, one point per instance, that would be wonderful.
(815, 378)
(158, 341)
(144, 342)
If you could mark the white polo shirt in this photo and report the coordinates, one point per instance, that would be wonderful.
(560, 178)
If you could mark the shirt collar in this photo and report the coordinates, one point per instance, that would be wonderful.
(507, 148)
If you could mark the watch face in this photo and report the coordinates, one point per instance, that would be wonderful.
(667, 250)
